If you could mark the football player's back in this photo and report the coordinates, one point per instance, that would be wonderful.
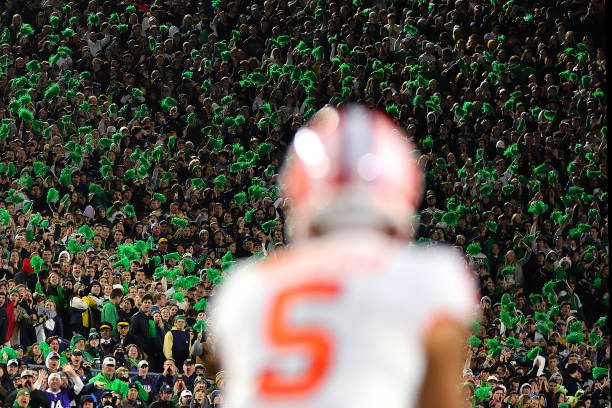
(340, 321)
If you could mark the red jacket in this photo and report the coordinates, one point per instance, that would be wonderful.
(10, 319)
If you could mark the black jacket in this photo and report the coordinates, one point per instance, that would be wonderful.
(139, 328)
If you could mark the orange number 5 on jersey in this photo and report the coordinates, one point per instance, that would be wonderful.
(314, 341)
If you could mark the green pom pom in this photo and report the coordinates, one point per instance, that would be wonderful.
(595, 339)
(96, 190)
(248, 216)
(473, 249)
(600, 371)
(189, 264)
(37, 263)
(474, 341)
(178, 296)
(200, 305)
(86, 231)
(168, 102)
(220, 181)
(172, 256)
(26, 115)
(601, 322)
(200, 325)
(214, 275)
(52, 195)
(129, 210)
(534, 352)
(450, 218)
(159, 197)
(491, 226)
(26, 30)
(240, 198)
(93, 19)
(179, 222)
(538, 207)
(575, 338)
(266, 226)
(482, 393)
(197, 183)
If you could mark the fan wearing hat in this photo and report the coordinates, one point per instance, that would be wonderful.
(185, 398)
(93, 344)
(165, 398)
(107, 342)
(12, 366)
(62, 396)
(105, 380)
(148, 382)
(78, 342)
(35, 398)
(124, 337)
(132, 400)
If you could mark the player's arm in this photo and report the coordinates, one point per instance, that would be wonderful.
(445, 356)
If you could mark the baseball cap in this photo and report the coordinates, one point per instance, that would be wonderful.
(142, 363)
(186, 393)
(53, 354)
(26, 373)
(11, 362)
(86, 398)
(108, 361)
(162, 240)
(77, 352)
(105, 325)
(492, 378)
(188, 361)
(165, 388)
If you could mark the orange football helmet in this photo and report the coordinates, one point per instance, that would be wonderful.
(351, 168)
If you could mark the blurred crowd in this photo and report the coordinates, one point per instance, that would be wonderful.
(140, 144)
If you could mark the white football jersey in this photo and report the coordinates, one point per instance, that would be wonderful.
(337, 322)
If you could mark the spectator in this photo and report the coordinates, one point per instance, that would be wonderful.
(176, 342)
(109, 309)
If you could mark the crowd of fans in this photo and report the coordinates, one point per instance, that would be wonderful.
(140, 143)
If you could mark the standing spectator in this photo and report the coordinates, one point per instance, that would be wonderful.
(176, 342)
(109, 309)
(143, 327)
(3, 318)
